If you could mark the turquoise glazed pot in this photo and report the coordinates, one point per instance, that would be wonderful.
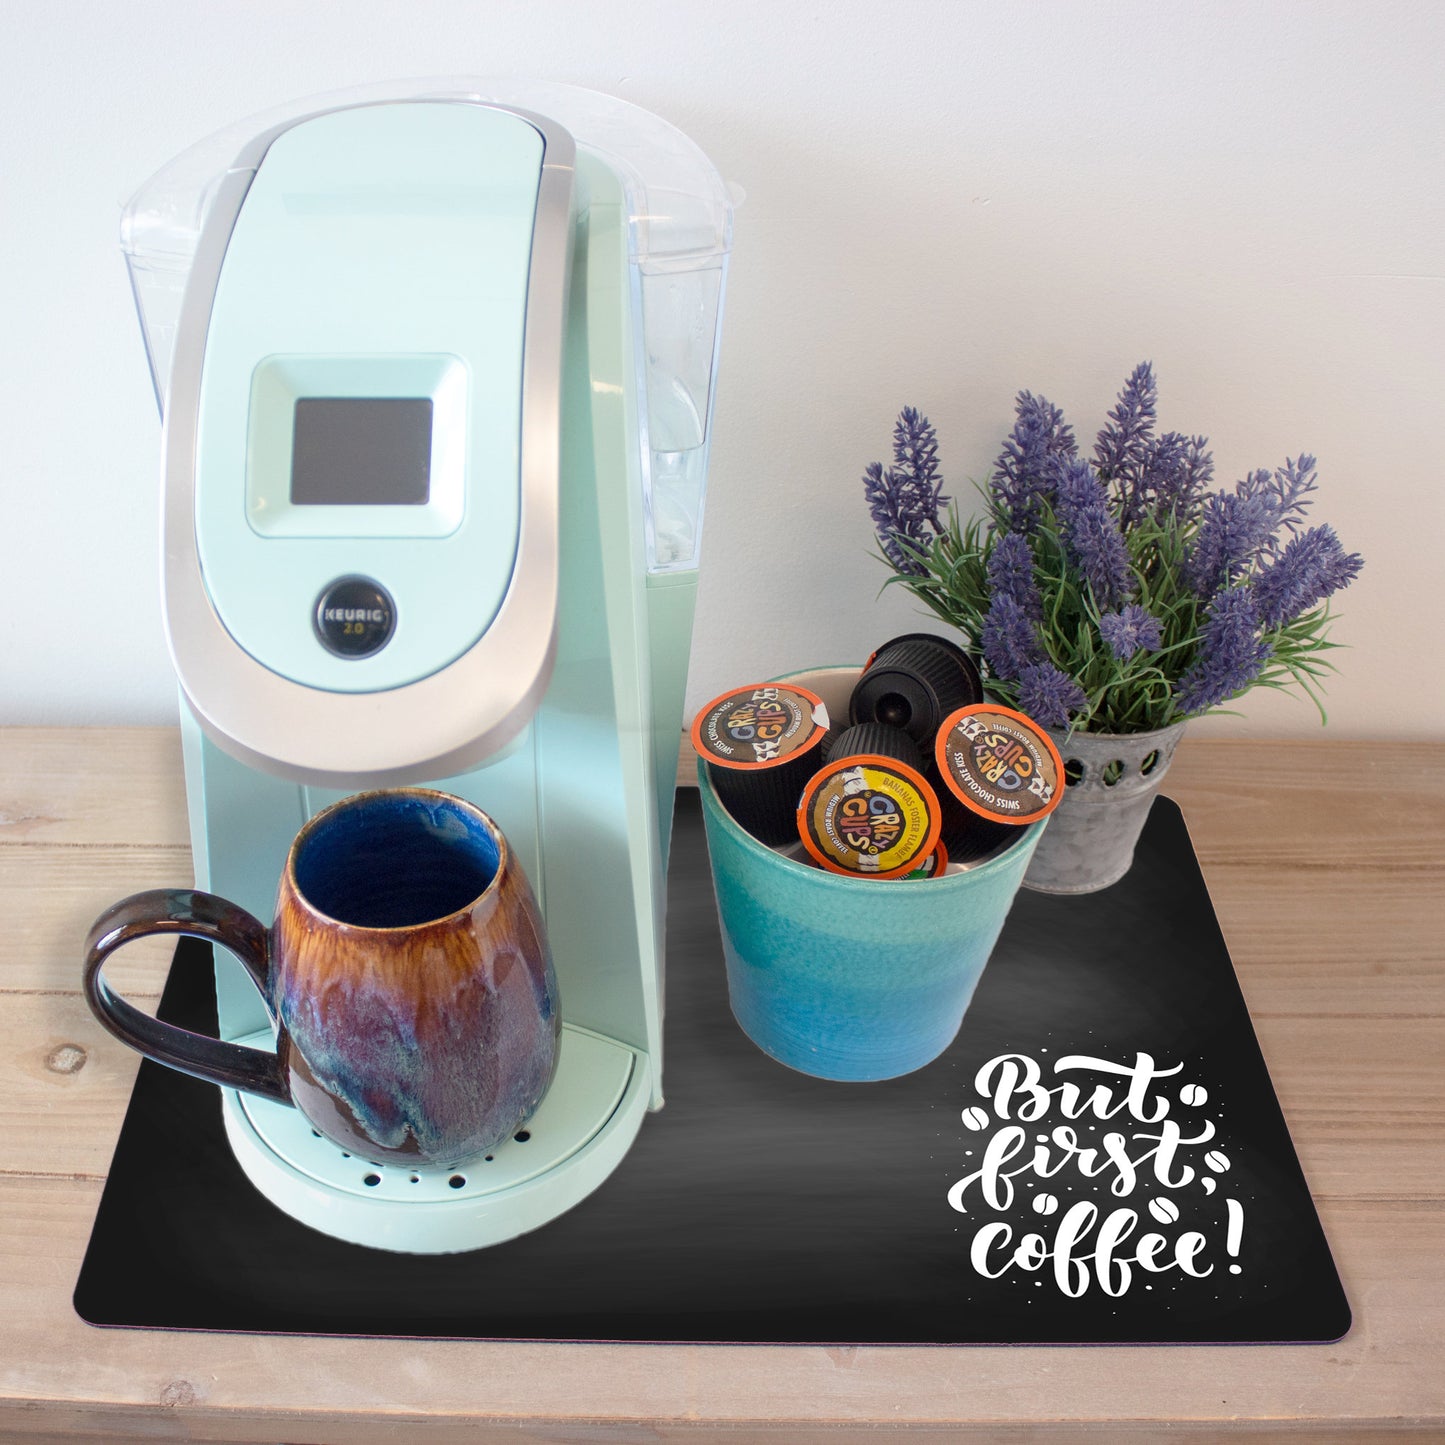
(852, 978)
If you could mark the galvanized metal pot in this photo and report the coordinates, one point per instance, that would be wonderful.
(1113, 778)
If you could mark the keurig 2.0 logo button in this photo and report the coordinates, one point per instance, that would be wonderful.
(355, 617)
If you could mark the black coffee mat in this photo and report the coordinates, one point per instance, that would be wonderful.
(764, 1206)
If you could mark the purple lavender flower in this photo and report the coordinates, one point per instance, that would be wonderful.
(1011, 574)
(1172, 473)
(915, 454)
(1023, 472)
(899, 531)
(904, 501)
(1160, 461)
(1312, 566)
(1193, 473)
(1235, 529)
(1241, 528)
(1095, 543)
(1010, 638)
(1230, 654)
(1130, 630)
(1121, 446)
(1048, 695)
(1164, 475)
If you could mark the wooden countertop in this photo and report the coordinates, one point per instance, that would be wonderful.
(1326, 863)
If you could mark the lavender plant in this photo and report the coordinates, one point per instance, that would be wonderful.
(1116, 593)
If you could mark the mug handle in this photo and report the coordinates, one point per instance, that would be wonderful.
(197, 915)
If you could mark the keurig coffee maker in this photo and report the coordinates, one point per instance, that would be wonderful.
(436, 366)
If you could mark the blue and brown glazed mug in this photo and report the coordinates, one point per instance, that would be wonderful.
(407, 972)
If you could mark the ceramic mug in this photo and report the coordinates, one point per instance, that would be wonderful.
(407, 973)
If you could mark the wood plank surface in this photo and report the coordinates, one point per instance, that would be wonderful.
(1390, 1261)
(1364, 1097)
(50, 894)
(92, 787)
(1329, 904)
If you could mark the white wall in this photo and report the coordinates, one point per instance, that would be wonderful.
(946, 202)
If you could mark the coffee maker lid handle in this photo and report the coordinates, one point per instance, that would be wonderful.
(451, 720)
(679, 209)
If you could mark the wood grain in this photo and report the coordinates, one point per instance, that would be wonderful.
(252, 1384)
(49, 896)
(92, 787)
(1364, 1097)
(1329, 902)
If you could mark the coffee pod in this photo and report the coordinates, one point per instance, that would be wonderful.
(965, 838)
(969, 838)
(889, 742)
(760, 744)
(913, 682)
(1000, 765)
(876, 738)
(868, 816)
(935, 865)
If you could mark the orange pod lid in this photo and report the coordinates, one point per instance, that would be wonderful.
(869, 816)
(760, 726)
(999, 763)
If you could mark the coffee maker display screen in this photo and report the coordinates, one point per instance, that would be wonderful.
(361, 451)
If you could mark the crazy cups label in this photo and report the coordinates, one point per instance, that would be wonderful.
(1000, 763)
(759, 727)
(869, 816)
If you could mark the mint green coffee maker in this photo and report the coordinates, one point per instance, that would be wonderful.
(436, 363)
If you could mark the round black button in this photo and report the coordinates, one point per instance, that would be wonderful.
(355, 617)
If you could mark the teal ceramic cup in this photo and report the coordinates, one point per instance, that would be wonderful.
(852, 978)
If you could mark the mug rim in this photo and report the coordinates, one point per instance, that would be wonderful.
(368, 796)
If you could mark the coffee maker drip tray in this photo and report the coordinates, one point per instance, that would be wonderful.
(587, 1119)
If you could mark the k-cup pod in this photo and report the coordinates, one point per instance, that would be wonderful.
(868, 816)
(934, 866)
(881, 740)
(843, 977)
(876, 738)
(760, 744)
(1002, 766)
(913, 682)
(969, 838)
(966, 839)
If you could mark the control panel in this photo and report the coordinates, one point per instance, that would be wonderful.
(357, 476)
